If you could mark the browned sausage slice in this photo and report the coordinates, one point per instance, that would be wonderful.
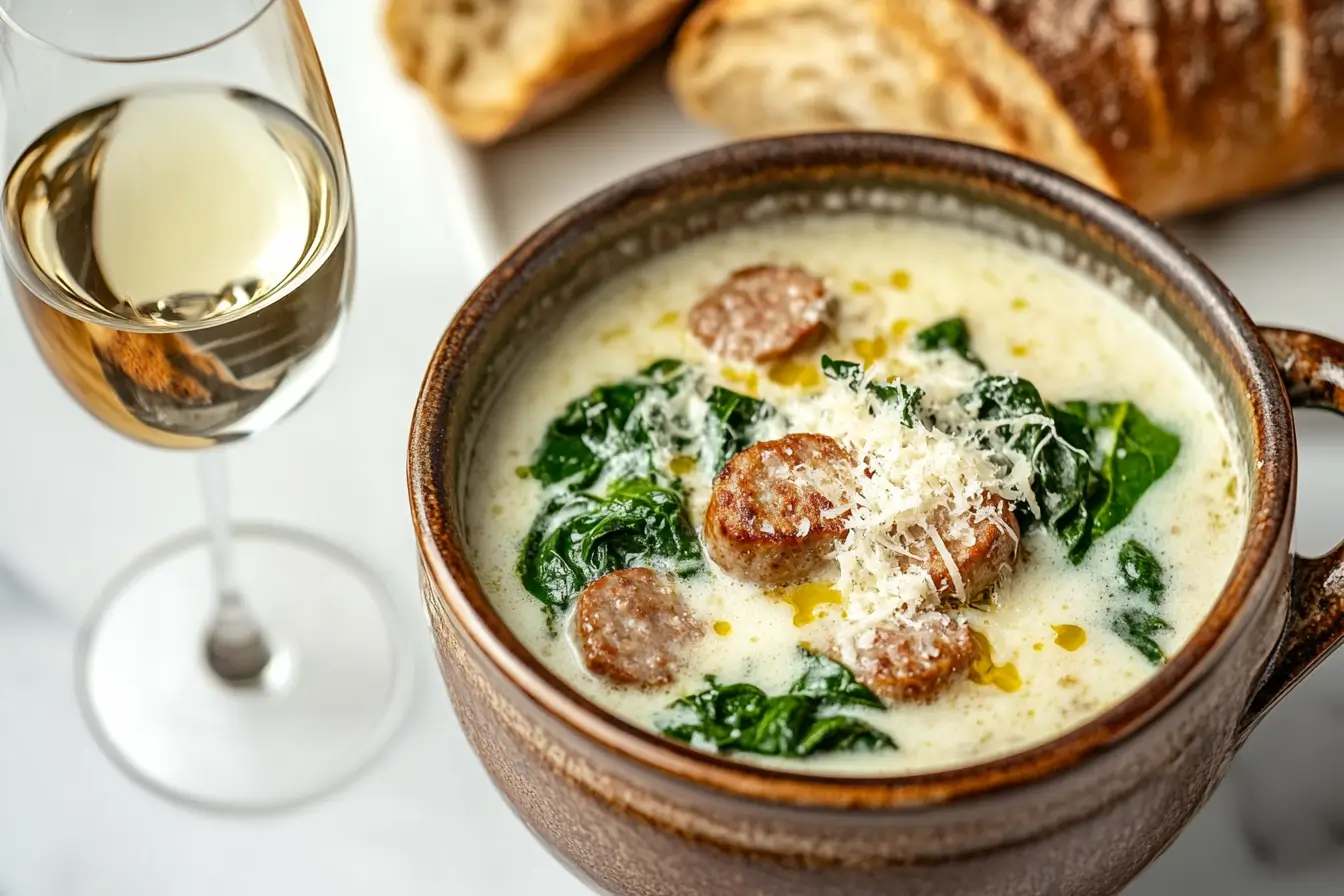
(981, 557)
(632, 627)
(910, 660)
(761, 313)
(769, 518)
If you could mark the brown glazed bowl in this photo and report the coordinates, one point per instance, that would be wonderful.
(632, 813)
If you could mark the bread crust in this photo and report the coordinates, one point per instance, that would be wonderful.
(1172, 105)
(579, 61)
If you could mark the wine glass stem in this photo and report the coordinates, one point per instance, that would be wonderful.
(235, 645)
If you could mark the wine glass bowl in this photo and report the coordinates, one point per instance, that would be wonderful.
(99, 32)
(177, 322)
(178, 233)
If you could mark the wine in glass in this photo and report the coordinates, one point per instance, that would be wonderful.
(178, 234)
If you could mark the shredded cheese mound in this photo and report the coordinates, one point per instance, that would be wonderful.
(918, 489)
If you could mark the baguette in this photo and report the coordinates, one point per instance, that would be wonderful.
(1171, 105)
(495, 68)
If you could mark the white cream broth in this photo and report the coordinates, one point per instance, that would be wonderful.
(1029, 316)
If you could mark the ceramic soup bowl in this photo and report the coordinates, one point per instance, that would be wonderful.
(634, 813)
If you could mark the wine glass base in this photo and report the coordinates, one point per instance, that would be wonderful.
(335, 690)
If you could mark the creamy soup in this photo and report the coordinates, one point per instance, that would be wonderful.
(1103, 506)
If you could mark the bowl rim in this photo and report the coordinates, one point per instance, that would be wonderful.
(1258, 566)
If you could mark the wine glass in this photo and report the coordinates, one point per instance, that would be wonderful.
(179, 237)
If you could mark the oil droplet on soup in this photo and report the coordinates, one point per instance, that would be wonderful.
(1003, 676)
(870, 351)
(793, 374)
(723, 628)
(806, 599)
(1070, 637)
(900, 280)
(749, 380)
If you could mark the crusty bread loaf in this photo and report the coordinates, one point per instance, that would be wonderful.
(1173, 105)
(497, 67)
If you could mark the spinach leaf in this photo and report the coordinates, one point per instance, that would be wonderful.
(844, 371)
(906, 399)
(606, 428)
(830, 681)
(1137, 627)
(1131, 453)
(577, 538)
(950, 334)
(1060, 469)
(783, 724)
(716, 715)
(730, 424)
(741, 718)
(841, 734)
(1064, 480)
(614, 430)
(1141, 572)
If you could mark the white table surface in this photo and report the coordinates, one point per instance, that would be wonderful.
(77, 503)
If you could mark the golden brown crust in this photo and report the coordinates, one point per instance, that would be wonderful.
(1209, 100)
(1088, 55)
(768, 521)
(1223, 91)
(1322, 52)
(1007, 83)
(584, 58)
(1172, 105)
(905, 661)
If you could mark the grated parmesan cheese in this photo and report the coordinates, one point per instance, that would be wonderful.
(908, 478)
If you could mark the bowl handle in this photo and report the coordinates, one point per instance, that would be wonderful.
(1313, 370)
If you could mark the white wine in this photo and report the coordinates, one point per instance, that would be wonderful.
(183, 259)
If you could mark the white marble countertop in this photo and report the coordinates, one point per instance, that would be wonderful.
(77, 503)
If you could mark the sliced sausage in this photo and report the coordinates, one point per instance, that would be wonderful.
(982, 546)
(771, 517)
(909, 660)
(761, 313)
(632, 627)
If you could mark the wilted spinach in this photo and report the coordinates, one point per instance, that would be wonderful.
(578, 538)
(606, 428)
(828, 680)
(1131, 453)
(905, 399)
(1137, 627)
(1142, 575)
(952, 334)
(1090, 474)
(741, 718)
(730, 423)
(1060, 468)
(1141, 572)
(614, 430)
